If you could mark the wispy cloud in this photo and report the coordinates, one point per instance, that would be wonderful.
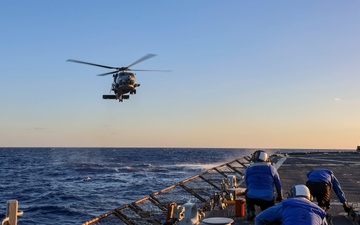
(337, 99)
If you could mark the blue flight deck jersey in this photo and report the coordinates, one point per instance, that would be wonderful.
(328, 177)
(260, 179)
(293, 211)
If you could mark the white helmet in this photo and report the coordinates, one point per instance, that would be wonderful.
(300, 190)
(260, 156)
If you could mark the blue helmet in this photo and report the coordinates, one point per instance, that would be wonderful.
(300, 190)
(260, 156)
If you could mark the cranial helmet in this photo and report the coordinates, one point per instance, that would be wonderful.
(300, 190)
(260, 156)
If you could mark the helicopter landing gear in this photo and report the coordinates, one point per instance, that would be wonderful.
(119, 97)
(133, 92)
(122, 97)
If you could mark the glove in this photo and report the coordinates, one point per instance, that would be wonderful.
(346, 206)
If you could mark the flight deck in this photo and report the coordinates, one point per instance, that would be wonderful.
(292, 169)
(205, 192)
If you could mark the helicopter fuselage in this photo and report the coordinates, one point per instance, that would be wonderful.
(124, 82)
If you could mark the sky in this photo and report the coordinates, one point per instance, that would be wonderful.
(245, 74)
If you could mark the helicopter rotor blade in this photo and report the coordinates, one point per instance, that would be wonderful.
(108, 73)
(152, 70)
(92, 64)
(148, 56)
(119, 69)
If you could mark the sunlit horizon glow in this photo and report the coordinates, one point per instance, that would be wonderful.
(253, 74)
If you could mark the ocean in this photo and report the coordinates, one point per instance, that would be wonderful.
(73, 185)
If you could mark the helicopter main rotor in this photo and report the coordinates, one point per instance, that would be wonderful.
(119, 69)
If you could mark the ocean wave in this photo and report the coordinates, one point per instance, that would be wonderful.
(72, 185)
(52, 214)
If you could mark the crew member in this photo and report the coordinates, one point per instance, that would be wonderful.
(260, 179)
(296, 210)
(320, 182)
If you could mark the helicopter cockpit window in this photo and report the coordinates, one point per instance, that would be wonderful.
(118, 78)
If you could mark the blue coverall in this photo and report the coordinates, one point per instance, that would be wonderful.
(293, 211)
(260, 179)
(327, 176)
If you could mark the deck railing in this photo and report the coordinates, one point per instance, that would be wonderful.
(199, 189)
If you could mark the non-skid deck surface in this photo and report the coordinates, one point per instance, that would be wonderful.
(292, 171)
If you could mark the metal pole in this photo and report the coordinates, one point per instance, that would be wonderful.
(12, 213)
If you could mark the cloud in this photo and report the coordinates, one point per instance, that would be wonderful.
(337, 99)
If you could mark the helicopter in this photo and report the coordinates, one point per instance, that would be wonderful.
(124, 81)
